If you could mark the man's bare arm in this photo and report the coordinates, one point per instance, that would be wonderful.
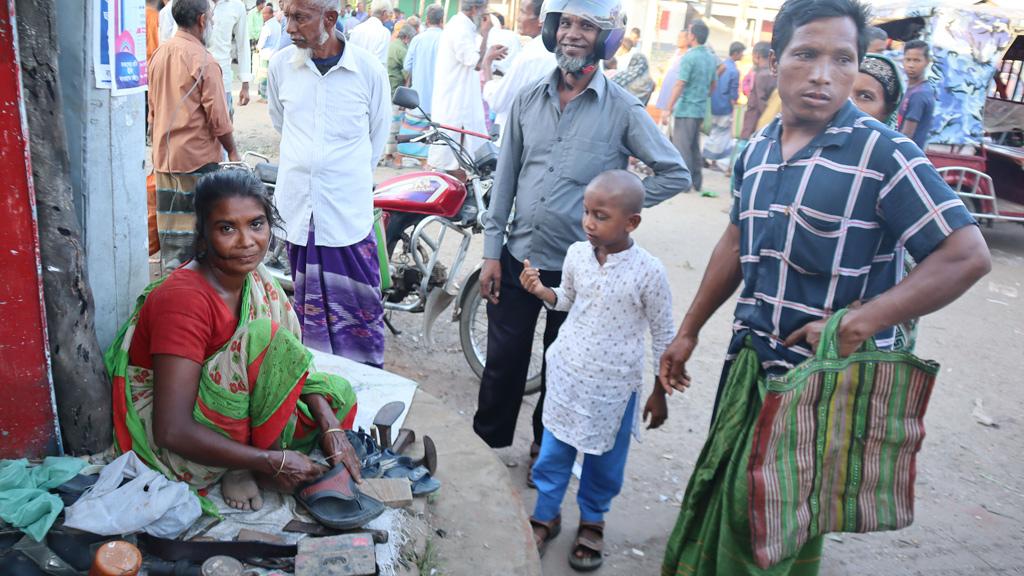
(722, 277)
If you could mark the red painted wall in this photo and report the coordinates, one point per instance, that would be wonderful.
(27, 419)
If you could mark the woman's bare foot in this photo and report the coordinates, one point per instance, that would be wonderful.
(240, 490)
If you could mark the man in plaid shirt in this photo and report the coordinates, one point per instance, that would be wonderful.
(824, 196)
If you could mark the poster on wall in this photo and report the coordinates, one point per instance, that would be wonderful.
(100, 45)
(126, 45)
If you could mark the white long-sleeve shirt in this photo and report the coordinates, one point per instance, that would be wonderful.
(533, 63)
(457, 100)
(333, 131)
(373, 37)
(230, 34)
(167, 24)
(597, 361)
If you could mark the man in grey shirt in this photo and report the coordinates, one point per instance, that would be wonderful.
(562, 132)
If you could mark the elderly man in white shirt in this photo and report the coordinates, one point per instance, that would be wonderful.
(457, 100)
(230, 36)
(371, 35)
(533, 63)
(330, 100)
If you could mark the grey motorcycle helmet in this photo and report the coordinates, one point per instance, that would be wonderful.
(607, 14)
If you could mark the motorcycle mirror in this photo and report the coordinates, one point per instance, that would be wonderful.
(406, 98)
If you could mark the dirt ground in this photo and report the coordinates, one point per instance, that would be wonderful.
(970, 485)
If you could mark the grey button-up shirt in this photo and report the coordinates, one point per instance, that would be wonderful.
(549, 155)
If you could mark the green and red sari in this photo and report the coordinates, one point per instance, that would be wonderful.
(249, 390)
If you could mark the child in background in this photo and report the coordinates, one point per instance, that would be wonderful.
(611, 288)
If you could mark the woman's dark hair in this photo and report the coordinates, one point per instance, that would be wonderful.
(228, 183)
(796, 13)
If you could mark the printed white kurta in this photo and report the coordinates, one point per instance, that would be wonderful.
(597, 361)
(457, 100)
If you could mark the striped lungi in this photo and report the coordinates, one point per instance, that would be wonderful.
(413, 124)
(338, 299)
(176, 217)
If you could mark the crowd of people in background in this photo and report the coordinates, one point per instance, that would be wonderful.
(566, 93)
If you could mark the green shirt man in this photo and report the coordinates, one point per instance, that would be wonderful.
(697, 70)
(396, 62)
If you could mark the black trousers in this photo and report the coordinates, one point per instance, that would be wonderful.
(511, 324)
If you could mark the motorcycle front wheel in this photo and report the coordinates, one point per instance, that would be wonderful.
(473, 335)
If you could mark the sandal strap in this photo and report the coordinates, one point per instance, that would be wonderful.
(594, 545)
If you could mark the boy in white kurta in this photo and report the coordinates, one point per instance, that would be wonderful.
(612, 289)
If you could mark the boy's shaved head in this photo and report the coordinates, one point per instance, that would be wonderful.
(624, 187)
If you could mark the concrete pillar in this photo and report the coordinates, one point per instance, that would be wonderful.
(106, 142)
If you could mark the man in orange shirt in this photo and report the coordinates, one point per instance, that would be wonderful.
(152, 27)
(191, 127)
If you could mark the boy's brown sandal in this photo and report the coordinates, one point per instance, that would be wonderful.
(544, 532)
(590, 544)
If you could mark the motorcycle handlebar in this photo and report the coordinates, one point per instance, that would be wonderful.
(403, 138)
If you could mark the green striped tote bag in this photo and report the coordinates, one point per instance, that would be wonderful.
(835, 445)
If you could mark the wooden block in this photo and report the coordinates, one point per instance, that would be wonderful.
(344, 555)
(247, 535)
(393, 492)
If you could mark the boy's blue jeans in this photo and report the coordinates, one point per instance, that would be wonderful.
(601, 479)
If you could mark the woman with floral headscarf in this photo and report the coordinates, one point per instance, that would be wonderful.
(878, 89)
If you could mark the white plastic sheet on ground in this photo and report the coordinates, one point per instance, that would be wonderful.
(373, 387)
(148, 502)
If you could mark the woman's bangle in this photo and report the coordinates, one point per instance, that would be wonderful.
(329, 430)
(284, 456)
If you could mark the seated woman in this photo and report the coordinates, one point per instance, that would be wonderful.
(210, 379)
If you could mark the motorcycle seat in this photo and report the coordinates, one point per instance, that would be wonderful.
(266, 172)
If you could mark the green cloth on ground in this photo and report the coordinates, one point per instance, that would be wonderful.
(712, 533)
(25, 500)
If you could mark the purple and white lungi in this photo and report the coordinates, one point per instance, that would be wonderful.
(338, 300)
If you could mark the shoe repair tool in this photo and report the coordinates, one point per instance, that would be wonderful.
(344, 555)
(117, 558)
(247, 535)
(206, 528)
(403, 440)
(385, 418)
(300, 527)
(429, 455)
(222, 566)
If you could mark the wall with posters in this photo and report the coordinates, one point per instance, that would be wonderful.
(107, 148)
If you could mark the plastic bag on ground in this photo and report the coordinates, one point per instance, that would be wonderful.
(148, 502)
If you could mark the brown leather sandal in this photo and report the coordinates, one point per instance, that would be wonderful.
(551, 530)
(591, 546)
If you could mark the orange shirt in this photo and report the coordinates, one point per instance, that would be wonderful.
(152, 31)
(187, 106)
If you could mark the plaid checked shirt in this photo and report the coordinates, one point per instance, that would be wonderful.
(828, 226)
